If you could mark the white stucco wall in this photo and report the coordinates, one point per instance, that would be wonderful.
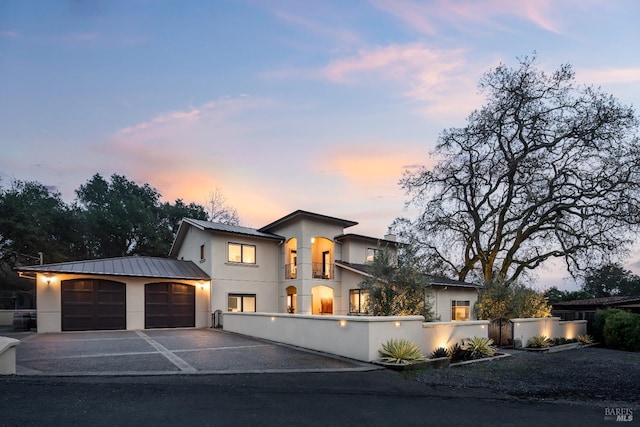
(551, 327)
(355, 337)
(446, 334)
(50, 305)
(227, 278)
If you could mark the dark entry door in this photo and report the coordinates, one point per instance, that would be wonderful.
(169, 305)
(91, 304)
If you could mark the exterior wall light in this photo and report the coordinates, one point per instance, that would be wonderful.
(396, 324)
(313, 240)
(342, 323)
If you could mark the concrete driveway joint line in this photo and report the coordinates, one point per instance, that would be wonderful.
(180, 363)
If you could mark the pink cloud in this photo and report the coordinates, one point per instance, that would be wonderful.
(432, 17)
(442, 79)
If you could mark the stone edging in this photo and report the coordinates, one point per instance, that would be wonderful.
(484, 359)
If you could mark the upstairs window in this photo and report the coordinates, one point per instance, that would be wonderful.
(371, 254)
(241, 253)
(202, 253)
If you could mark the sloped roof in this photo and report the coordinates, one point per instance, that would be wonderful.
(599, 302)
(433, 280)
(374, 240)
(216, 227)
(134, 266)
(345, 223)
(235, 229)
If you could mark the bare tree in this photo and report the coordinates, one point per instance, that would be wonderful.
(545, 169)
(219, 210)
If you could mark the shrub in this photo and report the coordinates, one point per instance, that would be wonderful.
(600, 321)
(585, 339)
(458, 354)
(401, 352)
(439, 352)
(479, 347)
(622, 331)
(539, 341)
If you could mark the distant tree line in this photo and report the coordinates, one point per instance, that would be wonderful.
(108, 218)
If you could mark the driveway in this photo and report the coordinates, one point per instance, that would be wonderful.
(166, 352)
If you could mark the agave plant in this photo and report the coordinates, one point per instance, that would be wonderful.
(401, 352)
(585, 339)
(458, 354)
(479, 347)
(439, 352)
(539, 341)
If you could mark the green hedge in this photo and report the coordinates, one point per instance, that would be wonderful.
(618, 329)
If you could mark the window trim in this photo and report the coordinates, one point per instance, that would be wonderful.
(242, 246)
(242, 297)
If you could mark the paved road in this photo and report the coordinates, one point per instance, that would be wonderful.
(374, 398)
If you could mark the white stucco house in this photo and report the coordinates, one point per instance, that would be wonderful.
(302, 263)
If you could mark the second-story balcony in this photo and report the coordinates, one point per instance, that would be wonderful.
(321, 270)
(290, 271)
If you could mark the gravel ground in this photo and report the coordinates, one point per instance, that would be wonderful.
(589, 374)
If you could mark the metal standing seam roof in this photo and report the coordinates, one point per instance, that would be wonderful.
(134, 266)
(234, 229)
(433, 280)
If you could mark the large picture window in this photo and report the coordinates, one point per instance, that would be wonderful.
(241, 253)
(242, 302)
(460, 310)
(358, 299)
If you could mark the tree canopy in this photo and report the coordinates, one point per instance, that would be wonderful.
(545, 169)
(395, 285)
(611, 280)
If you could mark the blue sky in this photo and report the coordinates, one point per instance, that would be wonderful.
(284, 105)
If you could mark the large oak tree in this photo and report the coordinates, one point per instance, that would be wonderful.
(545, 169)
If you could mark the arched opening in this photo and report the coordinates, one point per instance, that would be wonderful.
(321, 300)
(321, 258)
(291, 257)
(292, 294)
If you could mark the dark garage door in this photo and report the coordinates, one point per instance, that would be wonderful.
(90, 304)
(169, 305)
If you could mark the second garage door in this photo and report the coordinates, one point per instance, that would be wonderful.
(169, 305)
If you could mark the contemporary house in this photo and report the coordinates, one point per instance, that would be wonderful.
(302, 263)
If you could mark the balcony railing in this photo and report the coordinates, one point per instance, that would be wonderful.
(321, 270)
(290, 271)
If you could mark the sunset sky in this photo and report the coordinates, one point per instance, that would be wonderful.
(284, 105)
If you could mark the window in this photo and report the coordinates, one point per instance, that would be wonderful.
(460, 310)
(358, 299)
(371, 254)
(242, 302)
(202, 252)
(241, 253)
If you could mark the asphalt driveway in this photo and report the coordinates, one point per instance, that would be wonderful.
(166, 352)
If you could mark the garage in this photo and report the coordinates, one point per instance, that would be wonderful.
(93, 304)
(169, 305)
